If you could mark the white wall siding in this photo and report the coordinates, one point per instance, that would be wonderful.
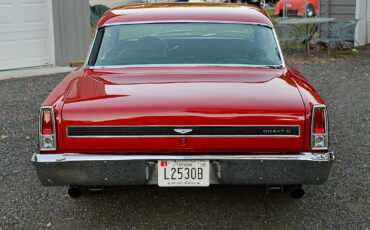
(72, 30)
(342, 10)
(26, 33)
(362, 30)
(368, 22)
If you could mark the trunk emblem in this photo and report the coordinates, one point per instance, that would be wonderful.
(183, 131)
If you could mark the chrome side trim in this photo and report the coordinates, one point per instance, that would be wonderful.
(189, 136)
(75, 157)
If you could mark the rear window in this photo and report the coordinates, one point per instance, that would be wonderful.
(185, 43)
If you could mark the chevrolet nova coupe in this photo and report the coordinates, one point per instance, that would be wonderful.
(184, 95)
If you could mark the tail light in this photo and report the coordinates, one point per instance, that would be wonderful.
(47, 133)
(319, 128)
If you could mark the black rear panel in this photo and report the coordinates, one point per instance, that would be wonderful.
(148, 131)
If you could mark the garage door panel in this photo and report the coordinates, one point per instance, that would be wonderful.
(26, 38)
(5, 2)
(10, 50)
(7, 15)
(35, 48)
(34, 13)
(31, 1)
(8, 54)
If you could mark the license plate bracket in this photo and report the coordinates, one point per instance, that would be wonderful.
(183, 173)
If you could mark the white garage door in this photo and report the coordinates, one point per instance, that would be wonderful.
(25, 33)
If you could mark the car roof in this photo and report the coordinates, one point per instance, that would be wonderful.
(225, 12)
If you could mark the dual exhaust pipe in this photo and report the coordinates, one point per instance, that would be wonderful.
(76, 192)
(295, 192)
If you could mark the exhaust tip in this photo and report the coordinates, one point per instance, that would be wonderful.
(297, 192)
(74, 192)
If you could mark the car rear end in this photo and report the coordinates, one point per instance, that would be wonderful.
(183, 154)
(236, 121)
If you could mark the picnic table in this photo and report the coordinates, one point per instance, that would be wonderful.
(306, 21)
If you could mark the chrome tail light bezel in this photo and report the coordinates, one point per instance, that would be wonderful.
(52, 137)
(324, 135)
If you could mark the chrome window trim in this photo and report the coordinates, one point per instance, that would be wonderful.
(68, 157)
(183, 65)
(326, 134)
(90, 48)
(53, 125)
(283, 65)
(184, 21)
(279, 47)
(189, 136)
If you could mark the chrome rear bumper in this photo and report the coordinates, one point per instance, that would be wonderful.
(108, 170)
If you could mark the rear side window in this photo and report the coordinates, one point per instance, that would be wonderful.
(185, 43)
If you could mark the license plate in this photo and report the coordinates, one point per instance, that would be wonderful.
(183, 173)
(289, 5)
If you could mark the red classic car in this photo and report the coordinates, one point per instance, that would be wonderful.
(184, 95)
(298, 7)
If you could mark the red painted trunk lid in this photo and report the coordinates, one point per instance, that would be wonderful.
(184, 96)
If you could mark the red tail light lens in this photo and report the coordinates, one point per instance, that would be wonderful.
(47, 123)
(319, 123)
(319, 126)
(47, 133)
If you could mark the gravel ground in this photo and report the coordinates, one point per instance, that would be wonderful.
(342, 203)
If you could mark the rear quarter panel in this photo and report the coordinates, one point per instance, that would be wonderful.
(56, 99)
(310, 98)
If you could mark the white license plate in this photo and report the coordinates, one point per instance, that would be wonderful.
(183, 173)
(289, 5)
